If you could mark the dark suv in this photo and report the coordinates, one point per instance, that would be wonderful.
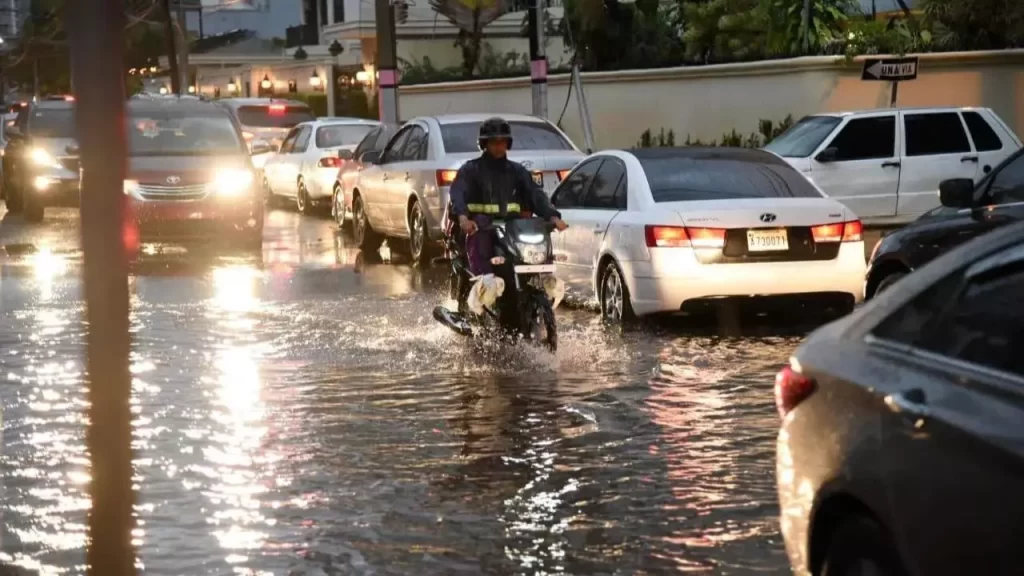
(40, 163)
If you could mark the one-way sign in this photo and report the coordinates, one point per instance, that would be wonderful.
(890, 69)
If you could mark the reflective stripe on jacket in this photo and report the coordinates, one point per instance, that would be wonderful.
(511, 208)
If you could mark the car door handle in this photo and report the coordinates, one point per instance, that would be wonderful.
(891, 164)
(969, 159)
(910, 402)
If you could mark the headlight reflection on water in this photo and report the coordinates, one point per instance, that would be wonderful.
(47, 267)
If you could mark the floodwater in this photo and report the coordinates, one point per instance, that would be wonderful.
(301, 413)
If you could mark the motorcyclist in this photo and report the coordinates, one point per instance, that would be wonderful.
(492, 187)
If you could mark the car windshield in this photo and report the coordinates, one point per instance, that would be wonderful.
(674, 179)
(804, 137)
(464, 137)
(341, 134)
(274, 116)
(52, 123)
(173, 133)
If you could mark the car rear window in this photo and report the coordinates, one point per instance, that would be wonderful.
(804, 137)
(274, 116)
(52, 123)
(464, 137)
(680, 179)
(342, 134)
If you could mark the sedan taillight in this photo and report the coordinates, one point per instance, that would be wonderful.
(791, 388)
(329, 162)
(680, 237)
(852, 231)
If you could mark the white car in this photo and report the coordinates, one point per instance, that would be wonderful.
(306, 167)
(675, 229)
(402, 193)
(886, 165)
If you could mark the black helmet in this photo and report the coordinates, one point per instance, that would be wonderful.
(495, 128)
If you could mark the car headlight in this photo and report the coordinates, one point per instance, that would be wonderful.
(533, 253)
(43, 158)
(131, 187)
(231, 183)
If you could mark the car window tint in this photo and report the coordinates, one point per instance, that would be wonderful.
(985, 326)
(334, 135)
(366, 143)
(606, 181)
(289, 140)
(985, 138)
(804, 137)
(866, 139)
(675, 179)
(416, 145)
(930, 134)
(464, 137)
(52, 123)
(570, 192)
(907, 324)
(274, 116)
(621, 196)
(383, 139)
(302, 140)
(393, 151)
(1008, 183)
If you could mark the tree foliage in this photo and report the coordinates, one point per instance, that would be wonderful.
(610, 35)
(976, 24)
(470, 17)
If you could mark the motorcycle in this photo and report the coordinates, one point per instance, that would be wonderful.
(523, 258)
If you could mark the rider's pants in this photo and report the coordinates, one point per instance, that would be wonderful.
(480, 247)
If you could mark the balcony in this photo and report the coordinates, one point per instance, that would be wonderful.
(303, 35)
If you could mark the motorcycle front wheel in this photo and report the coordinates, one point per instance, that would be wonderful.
(542, 329)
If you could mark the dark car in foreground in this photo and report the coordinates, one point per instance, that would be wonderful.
(190, 175)
(967, 211)
(40, 162)
(901, 450)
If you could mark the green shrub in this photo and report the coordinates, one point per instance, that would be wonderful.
(768, 130)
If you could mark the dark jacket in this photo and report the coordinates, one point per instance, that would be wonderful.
(488, 180)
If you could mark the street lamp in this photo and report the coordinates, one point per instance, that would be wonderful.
(164, 90)
(315, 81)
(266, 84)
(232, 87)
(191, 89)
(363, 76)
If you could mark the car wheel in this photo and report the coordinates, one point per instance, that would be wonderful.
(366, 238)
(616, 307)
(33, 209)
(302, 201)
(860, 546)
(12, 196)
(888, 281)
(338, 206)
(419, 239)
(269, 200)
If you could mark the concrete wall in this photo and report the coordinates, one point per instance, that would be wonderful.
(707, 101)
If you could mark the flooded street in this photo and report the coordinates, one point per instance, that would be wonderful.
(304, 414)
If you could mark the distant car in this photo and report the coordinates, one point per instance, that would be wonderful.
(268, 119)
(372, 143)
(886, 164)
(665, 230)
(40, 161)
(901, 450)
(306, 167)
(403, 192)
(190, 175)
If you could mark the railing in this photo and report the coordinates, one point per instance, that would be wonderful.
(302, 35)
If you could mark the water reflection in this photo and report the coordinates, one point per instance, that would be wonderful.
(47, 267)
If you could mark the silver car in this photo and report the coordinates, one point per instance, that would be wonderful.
(402, 194)
(306, 167)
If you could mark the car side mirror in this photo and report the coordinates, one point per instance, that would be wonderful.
(345, 155)
(72, 149)
(957, 193)
(827, 155)
(260, 147)
(370, 157)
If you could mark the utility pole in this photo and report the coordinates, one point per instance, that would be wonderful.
(96, 29)
(538, 61)
(387, 62)
(183, 72)
(172, 50)
(805, 27)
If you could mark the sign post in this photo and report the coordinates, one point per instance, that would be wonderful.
(894, 70)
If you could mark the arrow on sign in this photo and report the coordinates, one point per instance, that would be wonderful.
(875, 69)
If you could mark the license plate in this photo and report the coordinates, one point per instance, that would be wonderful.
(767, 240)
(538, 178)
(536, 269)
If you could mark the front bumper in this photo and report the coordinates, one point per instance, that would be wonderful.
(674, 276)
(209, 218)
(55, 189)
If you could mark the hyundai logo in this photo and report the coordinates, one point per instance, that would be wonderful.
(176, 179)
(767, 217)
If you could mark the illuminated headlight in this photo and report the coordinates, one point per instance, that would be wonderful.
(43, 159)
(533, 253)
(231, 183)
(131, 187)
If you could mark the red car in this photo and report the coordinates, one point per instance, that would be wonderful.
(190, 174)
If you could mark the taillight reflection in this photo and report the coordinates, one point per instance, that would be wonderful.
(562, 174)
(791, 388)
(852, 231)
(446, 177)
(330, 162)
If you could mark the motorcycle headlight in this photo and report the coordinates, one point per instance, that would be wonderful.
(43, 159)
(533, 253)
(131, 187)
(232, 183)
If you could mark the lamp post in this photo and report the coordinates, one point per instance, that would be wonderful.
(266, 84)
(335, 50)
(316, 82)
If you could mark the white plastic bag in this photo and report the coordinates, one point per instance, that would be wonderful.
(555, 289)
(485, 292)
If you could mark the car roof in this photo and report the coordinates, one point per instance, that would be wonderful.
(239, 102)
(900, 109)
(752, 155)
(344, 120)
(478, 118)
(185, 105)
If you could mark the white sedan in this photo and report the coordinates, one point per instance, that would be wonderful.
(307, 165)
(676, 229)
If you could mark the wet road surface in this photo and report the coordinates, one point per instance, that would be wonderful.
(301, 413)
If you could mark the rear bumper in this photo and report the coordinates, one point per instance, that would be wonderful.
(204, 219)
(674, 280)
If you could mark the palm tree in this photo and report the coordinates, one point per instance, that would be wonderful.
(470, 17)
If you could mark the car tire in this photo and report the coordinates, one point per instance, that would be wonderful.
(613, 295)
(338, 206)
(888, 281)
(269, 199)
(859, 545)
(12, 196)
(366, 238)
(302, 201)
(33, 209)
(420, 248)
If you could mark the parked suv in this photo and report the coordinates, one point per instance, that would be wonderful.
(40, 162)
(267, 119)
(886, 165)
